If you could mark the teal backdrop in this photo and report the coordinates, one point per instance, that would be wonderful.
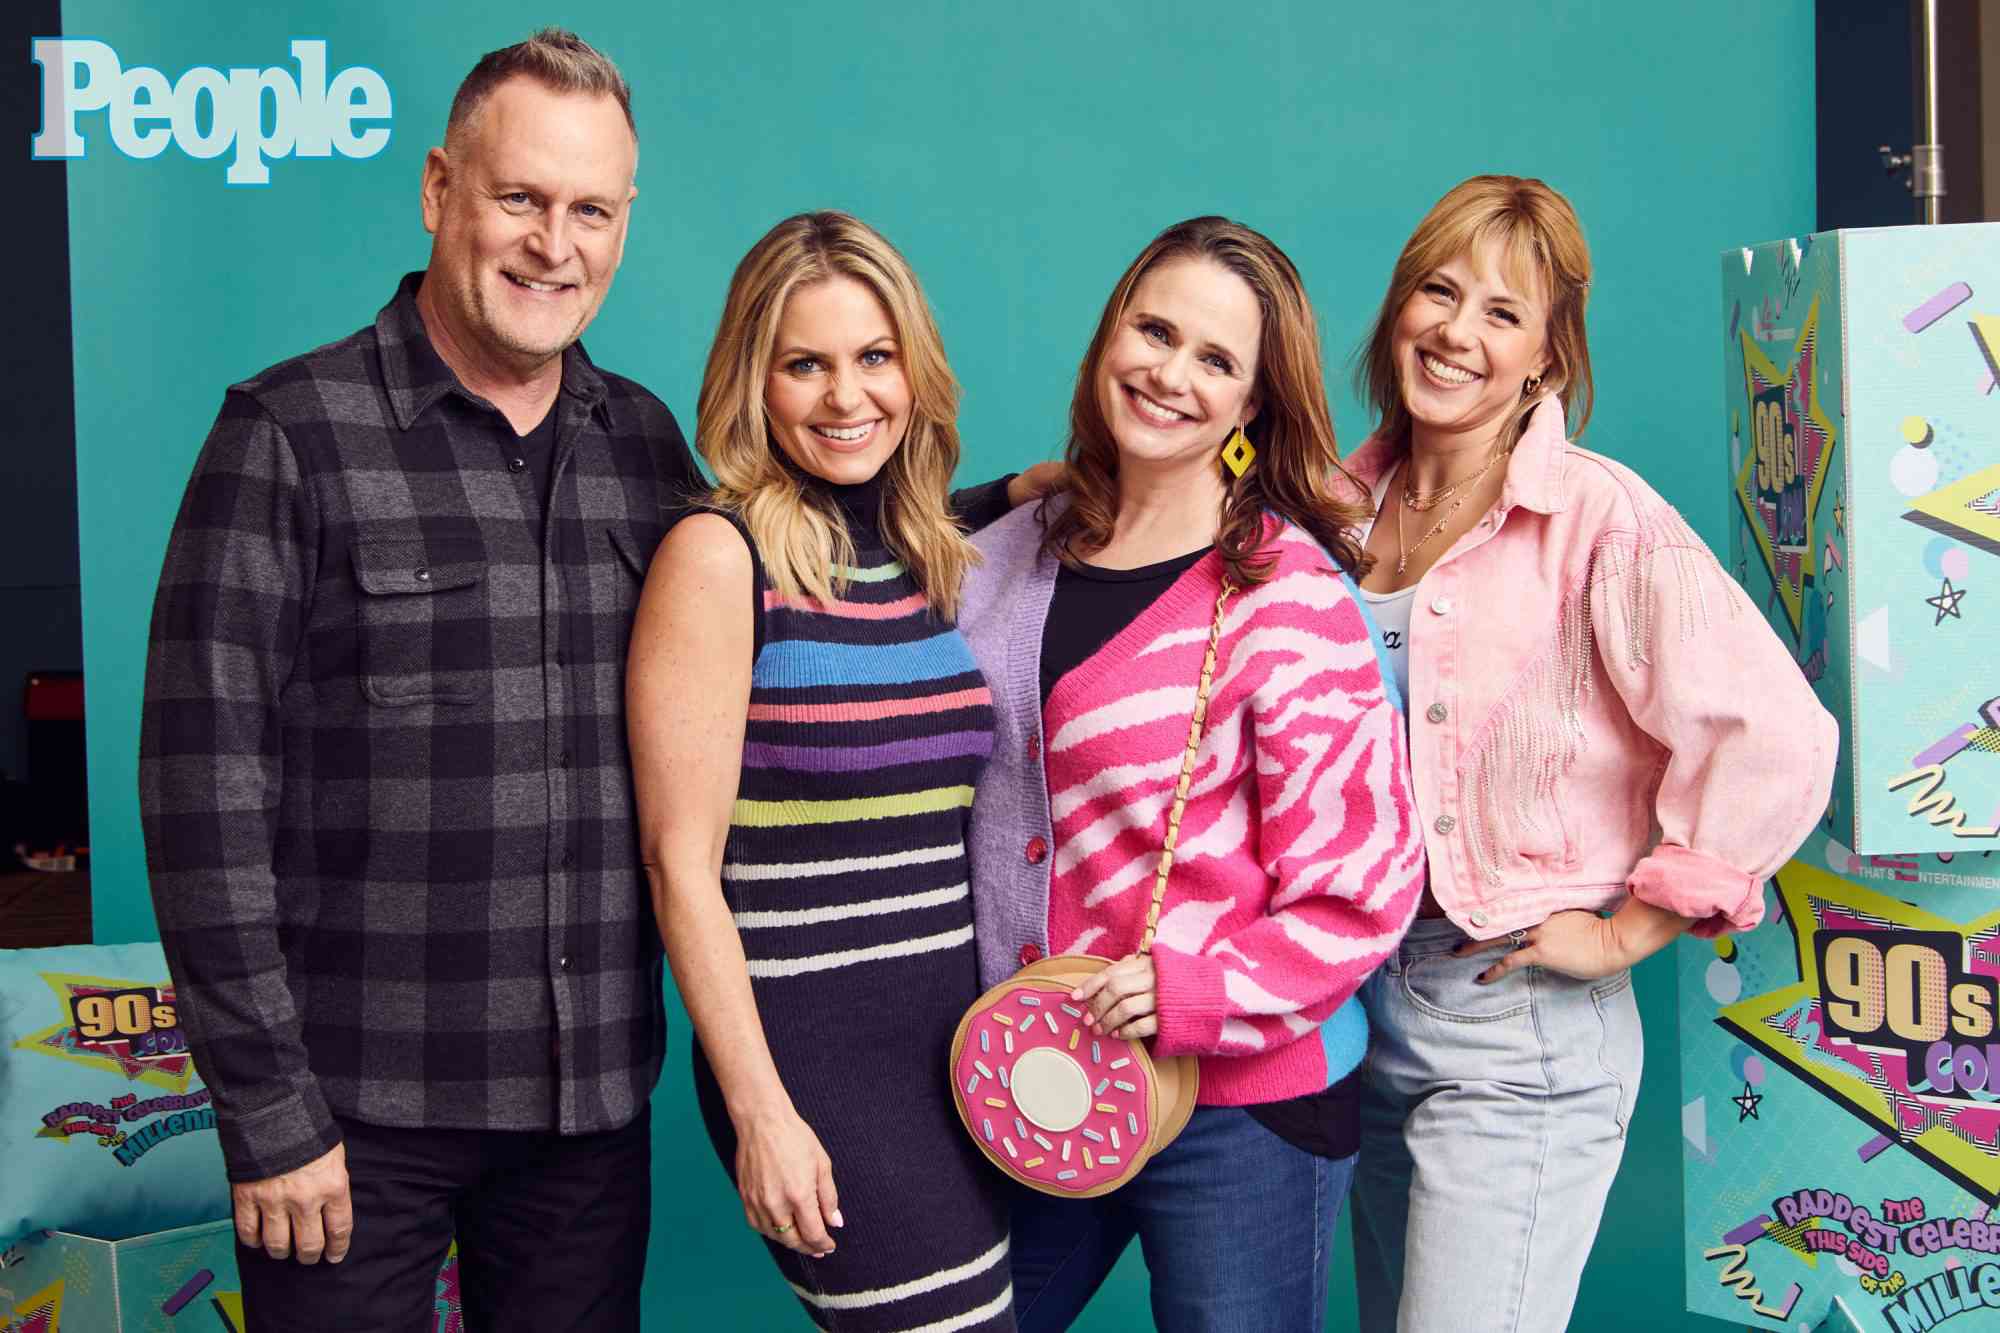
(1020, 154)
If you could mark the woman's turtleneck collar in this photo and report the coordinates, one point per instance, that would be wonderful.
(859, 504)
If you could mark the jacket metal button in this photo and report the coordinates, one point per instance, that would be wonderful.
(1441, 606)
(1035, 851)
(1437, 712)
(1030, 954)
(1445, 824)
(1479, 919)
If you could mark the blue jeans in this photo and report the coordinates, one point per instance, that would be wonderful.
(1492, 1121)
(1236, 1225)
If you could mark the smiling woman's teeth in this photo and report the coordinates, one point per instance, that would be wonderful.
(1447, 372)
(1166, 416)
(847, 435)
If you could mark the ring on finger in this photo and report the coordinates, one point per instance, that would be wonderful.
(1520, 938)
(781, 1228)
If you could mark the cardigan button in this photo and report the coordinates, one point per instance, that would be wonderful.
(1035, 851)
(1445, 824)
(1030, 954)
(1034, 747)
(1437, 712)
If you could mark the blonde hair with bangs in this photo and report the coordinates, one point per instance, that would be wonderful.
(799, 534)
(1542, 250)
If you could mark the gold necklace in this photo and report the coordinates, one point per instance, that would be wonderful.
(1403, 553)
(1424, 501)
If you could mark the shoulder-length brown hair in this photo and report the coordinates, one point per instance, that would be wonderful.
(1542, 249)
(800, 535)
(1293, 431)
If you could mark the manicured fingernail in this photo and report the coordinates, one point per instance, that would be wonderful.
(836, 1219)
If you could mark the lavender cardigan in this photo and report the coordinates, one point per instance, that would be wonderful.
(1005, 605)
(1005, 608)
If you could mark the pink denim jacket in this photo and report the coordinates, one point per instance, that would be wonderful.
(1597, 709)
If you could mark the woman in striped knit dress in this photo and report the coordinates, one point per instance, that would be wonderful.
(1298, 865)
(806, 730)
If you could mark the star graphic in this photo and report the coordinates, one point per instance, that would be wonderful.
(1746, 1104)
(1787, 406)
(62, 1040)
(1946, 603)
(1882, 1086)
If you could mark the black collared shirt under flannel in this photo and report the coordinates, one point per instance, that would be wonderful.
(388, 808)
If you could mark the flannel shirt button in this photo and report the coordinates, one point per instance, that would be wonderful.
(1035, 851)
(423, 575)
(1437, 712)
(563, 962)
(1445, 824)
(564, 760)
(517, 465)
(1030, 954)
(568, 858)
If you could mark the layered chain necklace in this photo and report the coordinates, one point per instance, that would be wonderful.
(1425, 501)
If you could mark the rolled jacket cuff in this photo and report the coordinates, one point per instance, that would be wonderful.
(278, 1137)
(1717, 896)
(1189, 996)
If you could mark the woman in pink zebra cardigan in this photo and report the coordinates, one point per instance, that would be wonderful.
(1298, 865)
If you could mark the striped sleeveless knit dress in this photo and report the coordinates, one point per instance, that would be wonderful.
(846, 871)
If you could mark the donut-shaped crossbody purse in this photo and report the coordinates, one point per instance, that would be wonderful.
(1058, 1108)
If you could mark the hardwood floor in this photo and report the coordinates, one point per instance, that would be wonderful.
(39, 911)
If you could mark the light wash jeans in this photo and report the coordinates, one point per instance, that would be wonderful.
(1492, 1121)
(1236, 1225)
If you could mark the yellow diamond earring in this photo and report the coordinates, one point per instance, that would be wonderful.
(1238, 453)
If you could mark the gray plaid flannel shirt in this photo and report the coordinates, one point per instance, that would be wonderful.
(387, 802)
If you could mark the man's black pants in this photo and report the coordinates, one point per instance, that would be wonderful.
(551, 1235)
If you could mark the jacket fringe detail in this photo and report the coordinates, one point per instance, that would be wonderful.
(1536, 732)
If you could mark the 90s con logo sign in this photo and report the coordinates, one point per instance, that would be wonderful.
(207, 111)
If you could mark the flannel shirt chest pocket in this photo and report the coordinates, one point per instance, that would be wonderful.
(424, 626)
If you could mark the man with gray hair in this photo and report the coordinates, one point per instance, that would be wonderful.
(388, 811)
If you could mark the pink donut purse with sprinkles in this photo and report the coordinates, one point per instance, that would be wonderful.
(1061, 1110)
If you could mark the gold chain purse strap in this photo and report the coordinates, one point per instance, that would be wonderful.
(1018, 1059)
(1195, 725)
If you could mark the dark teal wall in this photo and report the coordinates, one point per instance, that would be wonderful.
(1020, 154)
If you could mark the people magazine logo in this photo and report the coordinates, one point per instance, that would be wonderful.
(251, 116)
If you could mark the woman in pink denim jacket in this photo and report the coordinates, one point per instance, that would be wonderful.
(1609, 747)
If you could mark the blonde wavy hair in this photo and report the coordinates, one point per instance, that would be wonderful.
(799, 533)
(1542, 250)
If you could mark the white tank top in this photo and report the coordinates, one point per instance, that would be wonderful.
(1391, 610)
